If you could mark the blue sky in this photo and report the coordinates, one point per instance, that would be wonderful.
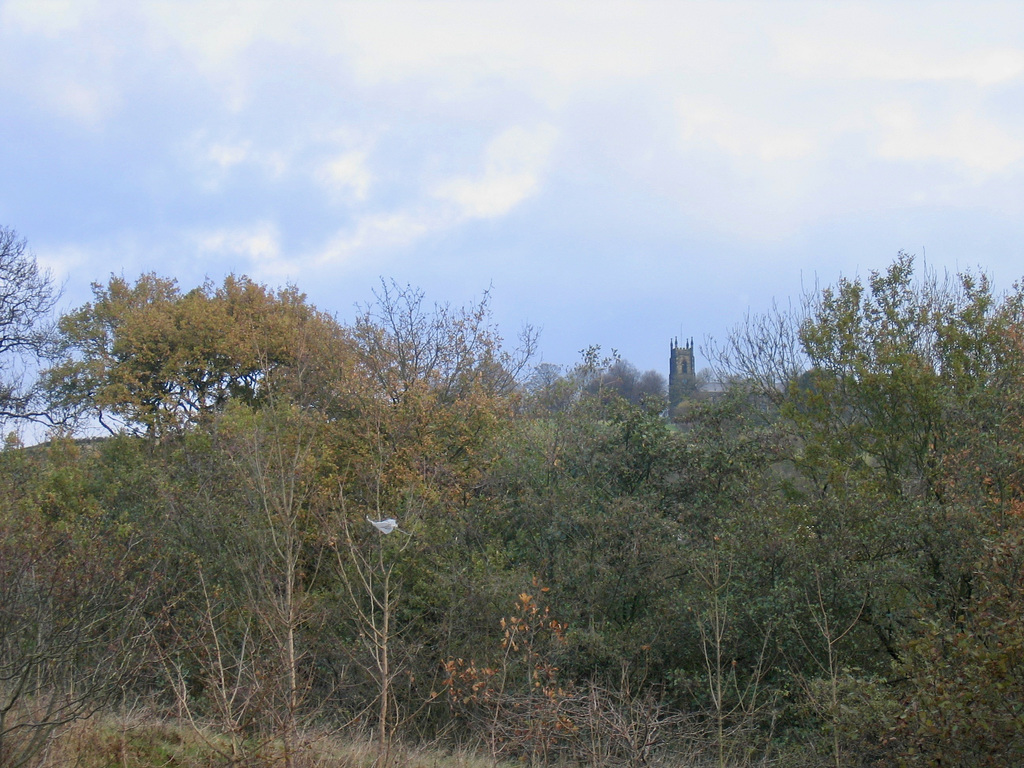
(619, 173)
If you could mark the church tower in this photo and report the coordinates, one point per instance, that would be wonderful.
(681, 372)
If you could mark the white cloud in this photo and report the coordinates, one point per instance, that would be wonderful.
(346, 174)
(50, 18)
(982, 67)
(511, 167)
(547, 46)
(449, 48)
(488, 197)
(83, 103)
(733, 112)
(741, 133)
(51, 53)
(63, 261)
(514, 162)
(215, 36)
(259, 244)
(374, 232)
(979, 146)
(226, 156)
(215, 31)
(370, 234)
(215, 161)
(859, 45)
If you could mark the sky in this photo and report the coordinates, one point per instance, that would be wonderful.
(615, 173)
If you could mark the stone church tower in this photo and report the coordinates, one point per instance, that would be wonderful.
(681, 372)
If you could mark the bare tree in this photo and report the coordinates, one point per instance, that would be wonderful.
(69, 633)
(736, 704)
(453, 350)
(764, 351)
(27, 296)
(371, 590)
(223, 651)
(278, 453)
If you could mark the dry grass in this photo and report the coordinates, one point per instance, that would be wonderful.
(141, 740)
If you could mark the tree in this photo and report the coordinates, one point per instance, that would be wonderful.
(961, 683)
(452, 350)
(577, 499)
(623, 379)
(73, 590)
(153, 360)
(279, 453)
(269, 467)
(891, 415)
(371, 591)
(763, 353)
(876, 393)
(27, 295)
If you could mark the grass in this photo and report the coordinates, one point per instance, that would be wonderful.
(142, 740)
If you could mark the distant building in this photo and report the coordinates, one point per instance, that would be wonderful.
(682, 372)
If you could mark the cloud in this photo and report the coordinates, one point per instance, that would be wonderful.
(856, 44)
(81, 102)
(50, 56)
(49, 18)
(514, 162)
(704, 120)
(546, 48)
(215, 161)
(215, 37)
(346, 174)
(63, 261)
(226, 156)
(259, 244)
(968, 140)
(984, 67)
(374, 232)
(749, 119)
(448, 49)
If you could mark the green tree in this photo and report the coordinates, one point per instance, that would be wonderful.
(436, 390)
(257, 480)
(961, 682)
(874, 395)
(75, 583)
(888, 415)
(580, 499)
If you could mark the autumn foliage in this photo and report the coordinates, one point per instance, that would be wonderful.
(818, 563)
